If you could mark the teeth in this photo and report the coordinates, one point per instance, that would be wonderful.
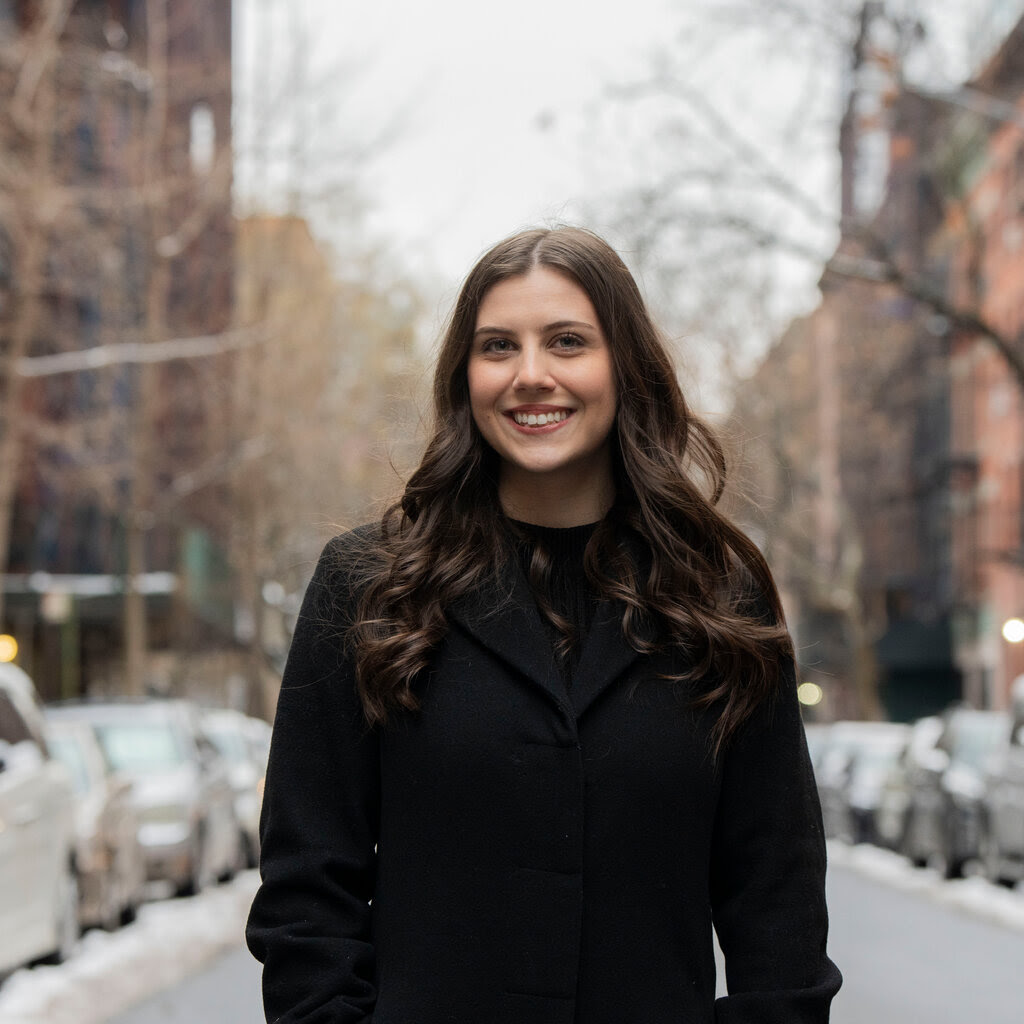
(533, 419)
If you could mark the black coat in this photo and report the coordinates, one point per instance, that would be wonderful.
(533, 856)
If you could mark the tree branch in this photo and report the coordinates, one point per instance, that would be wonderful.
(140, 352)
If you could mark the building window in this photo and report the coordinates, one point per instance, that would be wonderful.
(202, 138)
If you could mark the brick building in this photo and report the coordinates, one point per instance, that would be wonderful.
(861, 389)
(915, 468)
(121, 234)
(983, 233)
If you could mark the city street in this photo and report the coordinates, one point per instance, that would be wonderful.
(226, 992)
(910, 946)
(540, 581)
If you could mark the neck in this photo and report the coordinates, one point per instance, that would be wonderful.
(554, 500)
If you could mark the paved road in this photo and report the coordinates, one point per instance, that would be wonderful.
(226, 992)
(904, 958)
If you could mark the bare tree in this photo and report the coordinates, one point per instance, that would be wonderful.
(781, 181)
(327, 398)
(160, 371)
(28, 212)
(736, 209)
(118, 230)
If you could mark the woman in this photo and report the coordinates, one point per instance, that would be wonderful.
(538, 732)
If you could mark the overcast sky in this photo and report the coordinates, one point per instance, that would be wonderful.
(486, 103)
(480, 118)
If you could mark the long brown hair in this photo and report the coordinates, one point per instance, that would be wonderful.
(664, 551)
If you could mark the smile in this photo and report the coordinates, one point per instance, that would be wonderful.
(539, 419)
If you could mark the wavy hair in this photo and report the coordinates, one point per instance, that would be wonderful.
(683, 573)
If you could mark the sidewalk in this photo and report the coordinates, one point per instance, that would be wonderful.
(110, 972)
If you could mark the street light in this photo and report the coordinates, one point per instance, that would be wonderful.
(810, 694)
(8, 647)
(1013, 630)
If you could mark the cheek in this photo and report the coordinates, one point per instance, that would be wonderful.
(483, 389)
(600, 388)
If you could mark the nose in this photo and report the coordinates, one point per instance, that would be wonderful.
(533, 372)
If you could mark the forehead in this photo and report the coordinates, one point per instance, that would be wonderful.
(539, 293)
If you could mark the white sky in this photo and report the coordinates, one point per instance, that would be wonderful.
(474, 86)
(488, 111)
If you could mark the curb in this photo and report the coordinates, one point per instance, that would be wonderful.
(974, 896)
(111, 972)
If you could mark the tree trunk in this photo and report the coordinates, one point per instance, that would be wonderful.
(29, 268)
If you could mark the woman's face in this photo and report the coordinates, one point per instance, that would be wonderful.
(542, 386)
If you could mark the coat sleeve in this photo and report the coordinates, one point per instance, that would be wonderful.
(768, 874)
(309, 923)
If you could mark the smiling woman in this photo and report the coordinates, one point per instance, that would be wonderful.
(538, 731)
(542, 393)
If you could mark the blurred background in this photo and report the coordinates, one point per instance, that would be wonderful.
(230, 234)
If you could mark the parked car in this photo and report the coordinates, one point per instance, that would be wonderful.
(817, 741)
(109, 858)
(850, 773)
(38, 889)
(1002, 840)
(946, 816)
(243, 743)
(187, 824)
(900, 780)
(870, 763)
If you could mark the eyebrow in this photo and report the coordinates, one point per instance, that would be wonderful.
(556, 326)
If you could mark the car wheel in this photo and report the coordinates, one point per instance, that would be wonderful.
(111, 919)
(946, 862)
(991, 862)
(240, 860)
(252, 857)
(908, 845)
(195, 881)
(136, 889)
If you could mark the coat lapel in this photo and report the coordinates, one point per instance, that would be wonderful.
(505, 619)
(606, 655)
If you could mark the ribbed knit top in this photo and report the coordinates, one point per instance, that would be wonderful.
(568, 592)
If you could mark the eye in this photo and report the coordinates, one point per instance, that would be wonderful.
(497, 346)
(567, 342)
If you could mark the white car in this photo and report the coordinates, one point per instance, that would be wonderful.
(181, 791)
(38, 889)
(109, 858)
(243, 742)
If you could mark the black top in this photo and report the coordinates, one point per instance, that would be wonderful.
(568, 590)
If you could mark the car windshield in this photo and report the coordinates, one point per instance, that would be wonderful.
(141, 747)
(877, 758)
(975, 737)
(69, 752)
(229, 742)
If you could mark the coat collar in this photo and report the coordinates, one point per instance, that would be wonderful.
(504, 617)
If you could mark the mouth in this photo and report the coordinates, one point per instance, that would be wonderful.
(538, 419)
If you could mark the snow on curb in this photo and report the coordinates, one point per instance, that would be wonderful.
(109, 972)
(974, 896)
